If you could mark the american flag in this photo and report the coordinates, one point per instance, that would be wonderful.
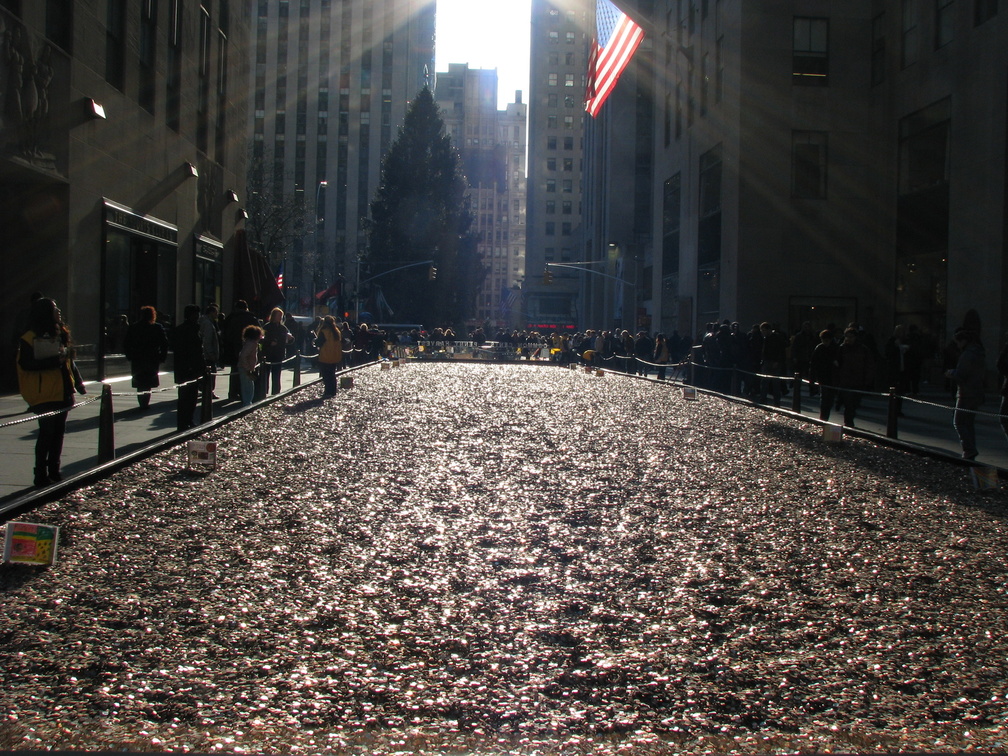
(280, 277)
(616, 39)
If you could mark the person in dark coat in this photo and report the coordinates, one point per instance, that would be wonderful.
(190, 365)
(146, 348)
(968, 375)
(231, 343)
(822, 367)
(773, 361)
(275, 340)
(854, 373)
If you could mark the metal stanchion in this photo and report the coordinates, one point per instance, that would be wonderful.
(796, 394)
(892, 419)
(297, 368)
(206, 409)
(106, 427)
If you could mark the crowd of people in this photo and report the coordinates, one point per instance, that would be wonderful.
(840, 365)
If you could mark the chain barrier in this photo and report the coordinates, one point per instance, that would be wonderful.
(53, 413)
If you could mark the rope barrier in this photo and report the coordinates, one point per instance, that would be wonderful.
(861, 392)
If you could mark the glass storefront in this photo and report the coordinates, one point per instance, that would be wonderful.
(208, 272)
(139, 264)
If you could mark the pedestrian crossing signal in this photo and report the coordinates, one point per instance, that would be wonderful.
(547, 276)
(431, 273)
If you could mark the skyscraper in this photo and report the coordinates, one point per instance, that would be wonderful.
(332, 81)
(558, 61)
(492, 146)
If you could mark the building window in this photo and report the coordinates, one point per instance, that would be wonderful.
(550, 185)
(115, 44)
(552, 100)
(59, 14)
(565, 228)
(551, 143)
(173, 80)
(552, 78)
(810, 54)
(944, 22)
(808, 165)
(551, 122)
(568, 186)
(568, 143)
(568, 164)
(878, 57)
(570, 38)
(148, 54)
(984, 10)
(569, 80)
(568, 122)
(550, 228)
(554, 37)
(550, 207)
(566, 207)
(551, 164)
(910, 41)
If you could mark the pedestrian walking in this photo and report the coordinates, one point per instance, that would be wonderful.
(773, 362)
(855, 371)
(146, 348)
(661, 355)
(210, 336)
(190, 367)
(1002, 368)
(968, 376)
(822, 367)
(47, 378)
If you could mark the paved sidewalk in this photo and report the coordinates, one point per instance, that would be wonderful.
(133, 428)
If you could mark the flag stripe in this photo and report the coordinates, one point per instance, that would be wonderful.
(617, 38)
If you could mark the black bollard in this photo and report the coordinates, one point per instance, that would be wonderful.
(892, 420)
(106, 427)
(206, 409)
(297, 369)
(796, 394)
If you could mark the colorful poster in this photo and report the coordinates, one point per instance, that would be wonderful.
(30, 543)
(202, 453)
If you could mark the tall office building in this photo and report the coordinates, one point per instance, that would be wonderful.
(558, 61)
(122, 162)
(332, 82)
(831, 167)
(492, 146)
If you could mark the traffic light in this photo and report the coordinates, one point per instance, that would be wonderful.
(431, 273)
(547, 276)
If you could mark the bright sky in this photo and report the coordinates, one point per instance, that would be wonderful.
(487, 34)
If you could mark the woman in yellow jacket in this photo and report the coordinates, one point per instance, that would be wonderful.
(329, 341)
(47, 378)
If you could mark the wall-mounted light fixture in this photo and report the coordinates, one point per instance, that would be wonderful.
(231, 195)
(94, 109)
(241, 215)
(190, 170)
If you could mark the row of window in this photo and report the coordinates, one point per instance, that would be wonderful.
(566, 228)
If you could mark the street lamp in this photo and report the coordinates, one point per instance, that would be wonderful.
(319, 220)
